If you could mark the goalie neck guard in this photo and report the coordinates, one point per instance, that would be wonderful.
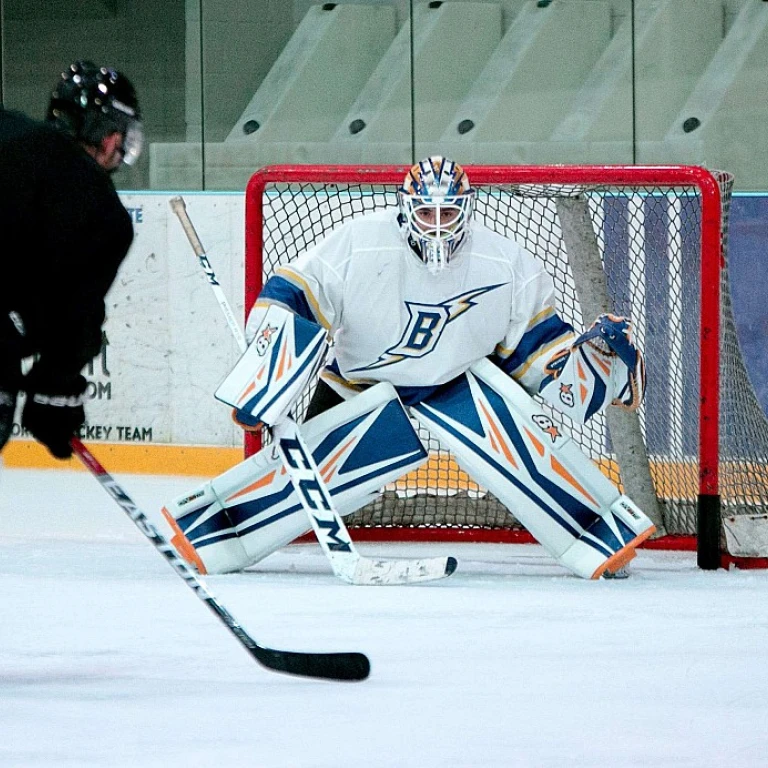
(436, 204)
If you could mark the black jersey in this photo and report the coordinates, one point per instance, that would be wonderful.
(65, 233)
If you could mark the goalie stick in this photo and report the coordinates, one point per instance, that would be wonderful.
(331, 666)
(332, 534)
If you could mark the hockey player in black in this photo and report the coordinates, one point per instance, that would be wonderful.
(66, 233)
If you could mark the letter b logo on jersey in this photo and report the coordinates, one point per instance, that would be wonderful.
(426, 323)
(423, 330)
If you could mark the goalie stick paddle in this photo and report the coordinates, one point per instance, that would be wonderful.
(331, 666)
(328, 525)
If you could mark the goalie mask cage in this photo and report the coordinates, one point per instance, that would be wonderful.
(645, 242)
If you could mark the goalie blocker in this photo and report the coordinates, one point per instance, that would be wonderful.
(283, 353)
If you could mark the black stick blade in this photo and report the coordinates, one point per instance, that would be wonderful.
(331, 666)
(350, 666)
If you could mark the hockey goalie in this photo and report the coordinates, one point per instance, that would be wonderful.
(435, 318)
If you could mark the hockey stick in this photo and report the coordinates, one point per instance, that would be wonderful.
(332, 534)
(332, 666)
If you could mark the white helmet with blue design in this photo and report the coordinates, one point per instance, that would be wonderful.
(436, 204)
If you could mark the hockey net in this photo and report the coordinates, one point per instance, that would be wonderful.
(644, 242)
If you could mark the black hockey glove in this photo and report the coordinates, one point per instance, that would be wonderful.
(7, 409)
(12, 350)
(54, 411)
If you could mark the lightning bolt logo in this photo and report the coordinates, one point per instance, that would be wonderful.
(426, 323)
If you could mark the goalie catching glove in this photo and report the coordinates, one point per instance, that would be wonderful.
(603, 367)
(611, 336)
(274, 370)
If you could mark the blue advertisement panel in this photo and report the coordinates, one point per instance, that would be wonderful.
(653, 266)
(748, 264)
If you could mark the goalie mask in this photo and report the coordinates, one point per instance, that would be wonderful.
(436, 205)
(91, 102)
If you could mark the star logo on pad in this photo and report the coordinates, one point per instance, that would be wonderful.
(547, 425)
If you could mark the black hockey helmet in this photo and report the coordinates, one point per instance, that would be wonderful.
(92, 102)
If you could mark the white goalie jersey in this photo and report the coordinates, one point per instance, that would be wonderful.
(392, 320)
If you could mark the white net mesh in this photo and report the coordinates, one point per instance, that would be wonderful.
(639, 248)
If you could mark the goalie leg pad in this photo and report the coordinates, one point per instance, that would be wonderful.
(203, 533)
(359, 446)
(509, 445)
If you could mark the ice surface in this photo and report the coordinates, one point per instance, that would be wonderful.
(108, 660)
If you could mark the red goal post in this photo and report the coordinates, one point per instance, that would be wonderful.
(646, 241)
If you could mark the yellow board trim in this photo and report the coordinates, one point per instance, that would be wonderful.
(678, 479)
(207, 461)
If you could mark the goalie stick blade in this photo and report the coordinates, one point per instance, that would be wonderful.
(350, 666)
(390, 572)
